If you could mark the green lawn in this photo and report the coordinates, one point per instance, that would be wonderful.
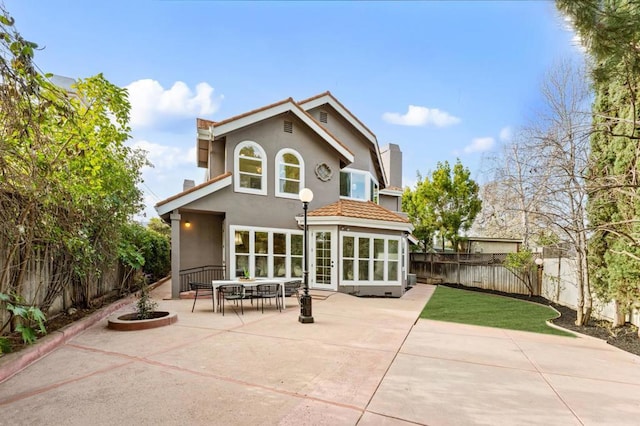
(471, 307)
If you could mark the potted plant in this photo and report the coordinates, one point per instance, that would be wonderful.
(246, 276)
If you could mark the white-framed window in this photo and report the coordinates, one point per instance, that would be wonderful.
(266, 252)
(375, 191)
(250, 168)
(289, 173)
(358, 185)
(368, 259)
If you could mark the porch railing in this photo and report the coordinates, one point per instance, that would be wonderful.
(201, 274)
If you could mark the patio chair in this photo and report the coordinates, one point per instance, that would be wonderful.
(203, 290)
(268, 291)
(293, 288)
(233, 292)
(248, 290)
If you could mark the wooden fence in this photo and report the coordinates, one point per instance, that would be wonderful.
(47, 282)
(556, 279)
(482, 270)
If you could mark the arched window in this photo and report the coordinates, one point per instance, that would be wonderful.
(289, 173)
(250, 168)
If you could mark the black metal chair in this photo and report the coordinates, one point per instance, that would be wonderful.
(233, 292)
(207, 290)
(292, 288)
(248, 291)
(268, 291)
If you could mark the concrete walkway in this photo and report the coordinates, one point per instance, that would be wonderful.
(363, 362)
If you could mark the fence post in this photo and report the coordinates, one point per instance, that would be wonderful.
(458, 274)
(431, 266)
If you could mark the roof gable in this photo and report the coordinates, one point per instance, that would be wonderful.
(211, 130)
(192, 194)
(327, 98)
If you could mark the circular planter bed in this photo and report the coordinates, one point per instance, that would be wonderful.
(129, 322)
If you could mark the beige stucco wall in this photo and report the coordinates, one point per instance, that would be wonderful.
(392, 162)
(390, 202)
(268, 210)
(217, 165)
(200, 243)
(351, 138)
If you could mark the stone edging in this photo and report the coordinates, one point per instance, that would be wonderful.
(119, 322)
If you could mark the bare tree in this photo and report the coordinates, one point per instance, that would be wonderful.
(512, 199)
(561, 139)
(543, 172)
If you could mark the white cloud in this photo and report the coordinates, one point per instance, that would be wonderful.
(165, 157)
(479, 145)
(171, 166)
(152, 104)
(421, 116)
(505, 134)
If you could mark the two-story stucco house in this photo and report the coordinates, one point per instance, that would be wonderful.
(247, 214)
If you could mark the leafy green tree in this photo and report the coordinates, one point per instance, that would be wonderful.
(414, 203)
(67, 180)
(145, 250)
(521, 264)
(447, 203)
(158, 225)
(610, 32)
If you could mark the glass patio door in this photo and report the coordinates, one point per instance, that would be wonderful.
(322, 267)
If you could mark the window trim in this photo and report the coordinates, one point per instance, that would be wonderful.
(279, 162)
(270, 253)
(372, 281)
(236, 169)
(368, 180)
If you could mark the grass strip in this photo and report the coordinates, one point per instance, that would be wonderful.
(488, 310)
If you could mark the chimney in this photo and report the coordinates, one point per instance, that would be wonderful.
(188, 184)
(392, 162)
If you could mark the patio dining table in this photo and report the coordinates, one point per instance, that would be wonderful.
(248, 283)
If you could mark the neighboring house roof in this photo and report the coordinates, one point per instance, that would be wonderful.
(495, 240)
(358, 213)
(328, 98)
(193, 194)
(209, 130)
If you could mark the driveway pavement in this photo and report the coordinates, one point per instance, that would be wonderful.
(365, 361)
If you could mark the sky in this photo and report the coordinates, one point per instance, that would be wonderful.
(445, 80)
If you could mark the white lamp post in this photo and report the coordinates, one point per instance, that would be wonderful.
(306, 195)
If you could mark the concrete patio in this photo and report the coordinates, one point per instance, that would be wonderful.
(366, 361)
